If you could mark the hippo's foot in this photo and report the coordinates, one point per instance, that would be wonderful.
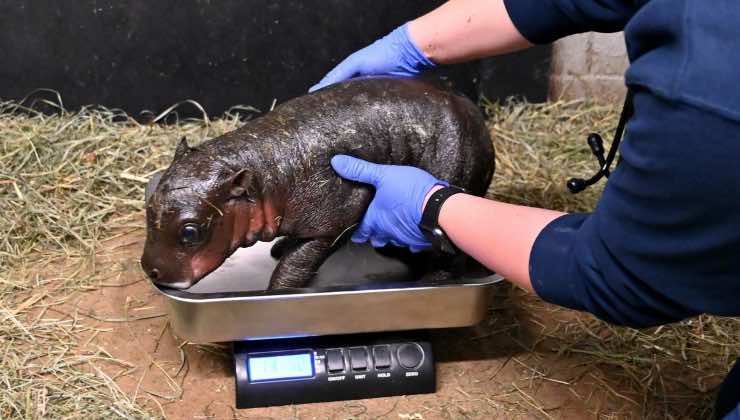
(300, 262)
(437, 277)
(445, 268)
(282, 246)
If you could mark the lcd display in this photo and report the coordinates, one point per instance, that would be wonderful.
(284, 366)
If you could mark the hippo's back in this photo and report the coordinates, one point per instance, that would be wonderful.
(385, 120)
(401, 121)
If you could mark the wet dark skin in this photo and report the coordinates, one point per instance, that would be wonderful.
(272, 176)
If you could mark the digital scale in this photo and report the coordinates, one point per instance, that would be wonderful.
(357, 331)
(279, 372)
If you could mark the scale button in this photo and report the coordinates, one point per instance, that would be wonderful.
(410, 355)
(358, 358)
(334, 361)
(382, 356)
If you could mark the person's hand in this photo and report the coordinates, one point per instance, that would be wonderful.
(395, 212)
(394, 54)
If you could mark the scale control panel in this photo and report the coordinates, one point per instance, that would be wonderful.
(294, 371)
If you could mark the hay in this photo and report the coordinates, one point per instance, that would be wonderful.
(539, 147)
(72, 181)
(69, 182)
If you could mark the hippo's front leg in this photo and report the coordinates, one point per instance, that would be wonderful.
(300, 263)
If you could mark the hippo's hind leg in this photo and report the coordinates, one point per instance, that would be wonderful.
(282, 246)
(433, 267)
(440, 268)
(300, 263)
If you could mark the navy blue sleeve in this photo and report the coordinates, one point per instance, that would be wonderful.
(727, 406)
(570, 266)
(544, 21)
(734, 414)
(663, 242)
(551, 263)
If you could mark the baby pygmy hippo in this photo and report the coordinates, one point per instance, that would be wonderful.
(272, 176)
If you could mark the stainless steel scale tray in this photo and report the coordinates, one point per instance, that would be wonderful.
(356, 290)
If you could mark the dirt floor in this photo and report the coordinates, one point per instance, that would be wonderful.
(502, 368)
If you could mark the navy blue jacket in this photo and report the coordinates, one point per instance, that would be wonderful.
(663, 243)
(681, 50)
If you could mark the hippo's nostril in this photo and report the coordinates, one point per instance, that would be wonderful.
(154, 274)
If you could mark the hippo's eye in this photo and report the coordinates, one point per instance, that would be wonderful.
(190, 234)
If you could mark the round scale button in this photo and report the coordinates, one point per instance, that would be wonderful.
(410, 355)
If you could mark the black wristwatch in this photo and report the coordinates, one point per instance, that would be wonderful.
(429, 224)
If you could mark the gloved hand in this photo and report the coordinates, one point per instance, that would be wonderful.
(395, 212)
(394, 54)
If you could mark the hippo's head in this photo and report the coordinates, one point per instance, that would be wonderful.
(199, 213)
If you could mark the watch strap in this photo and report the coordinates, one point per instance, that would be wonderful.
(429, 224)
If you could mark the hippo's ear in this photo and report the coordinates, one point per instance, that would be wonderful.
(238, 183)
(182, 148)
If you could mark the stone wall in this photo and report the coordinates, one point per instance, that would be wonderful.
(589, 65)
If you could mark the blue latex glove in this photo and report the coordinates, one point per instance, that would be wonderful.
(394, 54)
(395, 212)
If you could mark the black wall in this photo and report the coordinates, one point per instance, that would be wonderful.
(139, 54)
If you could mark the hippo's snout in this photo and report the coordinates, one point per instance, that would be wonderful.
(154, 273)
(158, 275)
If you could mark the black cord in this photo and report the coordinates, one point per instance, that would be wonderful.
(596, 144)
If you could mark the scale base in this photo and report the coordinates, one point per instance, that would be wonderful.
(346, 367)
